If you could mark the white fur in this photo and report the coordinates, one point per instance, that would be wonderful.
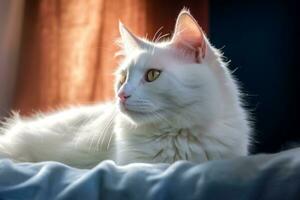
(193, 111)
(73, 136)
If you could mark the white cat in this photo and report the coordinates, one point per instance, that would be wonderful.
(175, 100)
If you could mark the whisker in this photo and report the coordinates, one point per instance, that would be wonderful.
(107, 147)
(101, 133)
(157, 36)
(158, 31)
(105, 129)
(161, 37)
(163, 118)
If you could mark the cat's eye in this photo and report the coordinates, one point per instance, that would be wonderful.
(122, 78)
(152, 75)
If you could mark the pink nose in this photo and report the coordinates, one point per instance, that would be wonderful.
(123, 96)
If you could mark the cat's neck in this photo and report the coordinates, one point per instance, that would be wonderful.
(178, 125)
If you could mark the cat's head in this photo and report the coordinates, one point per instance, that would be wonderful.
(159, 81)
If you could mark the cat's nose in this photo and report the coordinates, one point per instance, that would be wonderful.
(123, 96)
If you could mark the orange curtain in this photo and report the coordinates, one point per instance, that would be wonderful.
(68, 46)
(11, 15)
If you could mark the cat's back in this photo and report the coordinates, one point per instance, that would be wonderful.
(57, 121)
(67, 136)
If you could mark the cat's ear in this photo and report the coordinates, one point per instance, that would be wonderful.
(189, 36)
(129, 41)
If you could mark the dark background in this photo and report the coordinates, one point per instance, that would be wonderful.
(260, 38)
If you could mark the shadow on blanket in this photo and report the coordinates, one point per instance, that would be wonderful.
(273, 176)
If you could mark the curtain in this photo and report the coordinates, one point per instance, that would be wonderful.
(68, 46)
(11, 14)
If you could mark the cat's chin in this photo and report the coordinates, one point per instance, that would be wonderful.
(138, 117)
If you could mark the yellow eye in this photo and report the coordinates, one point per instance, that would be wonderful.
(152, 75)
(122, 78)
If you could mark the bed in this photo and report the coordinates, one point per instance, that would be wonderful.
(265, 176)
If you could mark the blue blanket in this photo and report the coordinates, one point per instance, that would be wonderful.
(275, 176)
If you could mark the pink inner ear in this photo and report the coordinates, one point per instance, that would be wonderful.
(191, 44)
(189, 37)
(191, 41)
(201, 51)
